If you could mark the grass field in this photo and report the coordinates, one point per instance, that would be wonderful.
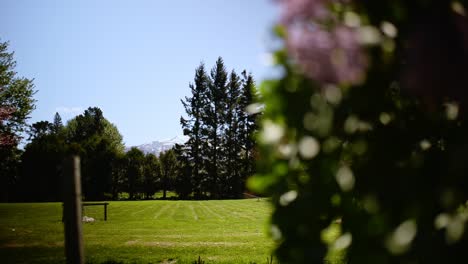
(231, 231)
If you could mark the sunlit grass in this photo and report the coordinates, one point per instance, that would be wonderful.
(231, 231)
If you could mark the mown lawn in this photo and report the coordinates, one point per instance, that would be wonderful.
(230, 231)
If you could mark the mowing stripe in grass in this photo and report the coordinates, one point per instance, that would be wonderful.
(210, 211)
(184, 244)
(232, 212)
(251, 212)
(184, 212)
(164, 208)
(144, 209)
(195, 216)
(225, 210)
(215, 208)
(199, 211)
(174, 209)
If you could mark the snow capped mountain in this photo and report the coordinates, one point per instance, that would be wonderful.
(157, 147)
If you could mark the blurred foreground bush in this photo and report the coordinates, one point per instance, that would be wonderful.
(367, 124)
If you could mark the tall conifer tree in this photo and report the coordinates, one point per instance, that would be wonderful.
(57, 124)
(214, 121)
(247, 124)
(231, 148)
(192, 126)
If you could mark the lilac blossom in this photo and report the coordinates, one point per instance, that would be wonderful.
(328, 56)
(299, 10)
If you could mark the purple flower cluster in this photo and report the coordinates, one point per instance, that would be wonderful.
(300, 10)
(328, 56)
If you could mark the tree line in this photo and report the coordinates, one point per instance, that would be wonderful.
(214, 162)
(107, 170)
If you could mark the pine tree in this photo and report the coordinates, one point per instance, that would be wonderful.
(57, 124)
(214, 121)
(192, 126)
(231, 148)
(247, 126)
(183, 178)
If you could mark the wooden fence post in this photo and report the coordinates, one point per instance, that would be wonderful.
(72, 211)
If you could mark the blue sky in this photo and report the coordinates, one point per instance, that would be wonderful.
(133, 59)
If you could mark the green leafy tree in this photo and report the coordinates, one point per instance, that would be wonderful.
(84, 126)
(41, 128)
(16, 99)
(168, 163)
(135, 162)
(119, 175)
(99, 143)
(41, 166)
(151, 175)
(16, 105)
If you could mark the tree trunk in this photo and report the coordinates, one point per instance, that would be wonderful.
(164, 186)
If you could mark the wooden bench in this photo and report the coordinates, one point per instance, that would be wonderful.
(91, 204)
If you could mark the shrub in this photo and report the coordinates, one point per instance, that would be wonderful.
(367, 124)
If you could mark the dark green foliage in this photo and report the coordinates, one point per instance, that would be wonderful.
(41, 167)
(247, 126)
(40, 177)
(231, 145)
(134, 162)
(106, 169)
(119, 176)
(92, 137)
(99, 144)
(57, 123)
(387, 158)
(213, 120)
(186, 179)
(84, 126)
(192, 127)
(10, 158)
(41, 128)
(151, 175)
(168, 165)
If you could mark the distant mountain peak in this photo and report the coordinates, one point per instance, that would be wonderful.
(176, 140)
(158, 146)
